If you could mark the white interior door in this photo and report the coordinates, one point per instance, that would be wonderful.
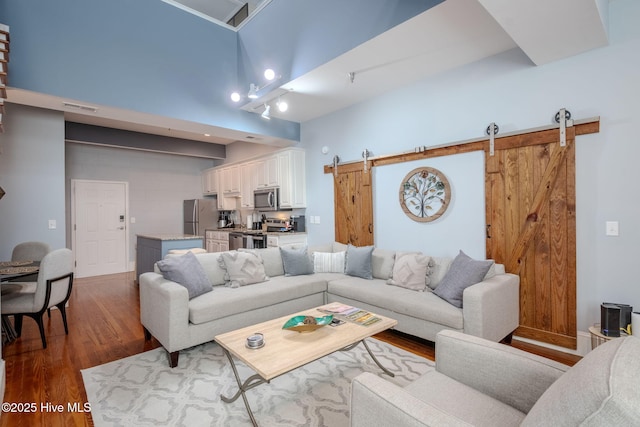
(99, 212)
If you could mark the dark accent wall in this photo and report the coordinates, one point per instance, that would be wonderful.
(89, 134)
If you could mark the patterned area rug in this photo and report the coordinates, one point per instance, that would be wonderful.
(142, 390)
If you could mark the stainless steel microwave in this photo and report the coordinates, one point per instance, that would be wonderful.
(266, 199)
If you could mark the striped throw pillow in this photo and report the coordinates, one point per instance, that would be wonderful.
(328, 262)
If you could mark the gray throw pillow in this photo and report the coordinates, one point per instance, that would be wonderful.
(464, 272)
(296, 261)
(359, 261)
(187, 271)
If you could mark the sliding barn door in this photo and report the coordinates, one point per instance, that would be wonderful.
(531, 228)
(353, 206)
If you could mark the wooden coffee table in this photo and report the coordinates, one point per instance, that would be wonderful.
(286, 350)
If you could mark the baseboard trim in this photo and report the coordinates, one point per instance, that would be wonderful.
(583, 343)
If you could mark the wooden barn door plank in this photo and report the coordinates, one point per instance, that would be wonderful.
(353, 207)
(531, 189)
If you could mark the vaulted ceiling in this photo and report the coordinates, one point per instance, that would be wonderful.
(447, 36)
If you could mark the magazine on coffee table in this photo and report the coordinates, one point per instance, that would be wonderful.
(352, 314)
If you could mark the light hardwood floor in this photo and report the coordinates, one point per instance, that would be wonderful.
(104, 326)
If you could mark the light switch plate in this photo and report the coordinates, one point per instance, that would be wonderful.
(52, 224)
(612, 228)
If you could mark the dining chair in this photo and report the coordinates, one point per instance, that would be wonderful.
(33, 299)
(33, 251)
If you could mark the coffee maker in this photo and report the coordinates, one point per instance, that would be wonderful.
(297, 223)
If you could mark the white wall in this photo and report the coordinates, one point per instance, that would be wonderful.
(509, 90)
(158, 183)
(31, 173)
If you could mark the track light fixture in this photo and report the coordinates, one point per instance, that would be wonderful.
(253, 91)
(269, 75)
(266, 114)
(282, 105)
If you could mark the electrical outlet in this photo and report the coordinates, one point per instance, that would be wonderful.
(612, 228)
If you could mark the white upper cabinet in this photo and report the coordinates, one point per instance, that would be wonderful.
(291, 164)
(267, 172)
(231, 181)
(209, 182)
(247, 183)
(284, 169)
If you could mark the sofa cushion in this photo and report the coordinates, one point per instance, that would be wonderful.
(211, 265)
(462, 401)
(464, 272)
(421, 305)
(438, 270)
(328, 262)
(224, 301)
(242, 268)
(296, 261)
(271, 259)
(382, 262)
(410, 271)
(186, 271)
(601, 389)
(358, 262)
(339, 247)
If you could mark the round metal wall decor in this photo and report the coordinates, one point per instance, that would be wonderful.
(425, 194)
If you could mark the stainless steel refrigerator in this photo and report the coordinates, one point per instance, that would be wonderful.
(199, 214)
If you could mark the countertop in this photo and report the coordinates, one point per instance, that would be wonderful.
(164, 237)
(254, 231)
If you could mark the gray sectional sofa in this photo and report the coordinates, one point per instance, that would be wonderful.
(179, 318)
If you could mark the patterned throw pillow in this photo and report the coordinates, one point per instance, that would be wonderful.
(187, 271)
(328, 262)
(242, 268)
(410, 271)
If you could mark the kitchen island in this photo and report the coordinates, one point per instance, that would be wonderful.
(151, 248)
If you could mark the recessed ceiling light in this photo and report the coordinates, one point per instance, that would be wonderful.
(269, 74)
(207, 134)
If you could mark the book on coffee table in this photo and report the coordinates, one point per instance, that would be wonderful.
(352, 314)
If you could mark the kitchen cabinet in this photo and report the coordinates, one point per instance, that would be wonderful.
(209, 182)
(291, 164)
(282, 239)
(154, 247)
(267, 172)
(247, 183)
(216, 241)
(230, 179)
(284, 169)
(224, 203)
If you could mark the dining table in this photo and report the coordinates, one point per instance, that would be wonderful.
(11, 270)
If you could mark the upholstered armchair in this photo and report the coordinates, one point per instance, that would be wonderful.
(481, 383)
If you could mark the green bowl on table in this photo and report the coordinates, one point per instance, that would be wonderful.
(306, 323)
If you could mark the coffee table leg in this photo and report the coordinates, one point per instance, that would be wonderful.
(249, 383)
(385, 370)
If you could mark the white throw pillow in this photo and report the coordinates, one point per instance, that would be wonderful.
(242, 268)
(410, 271)
(328, 262)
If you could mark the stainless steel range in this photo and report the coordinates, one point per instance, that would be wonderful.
(248, 239)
